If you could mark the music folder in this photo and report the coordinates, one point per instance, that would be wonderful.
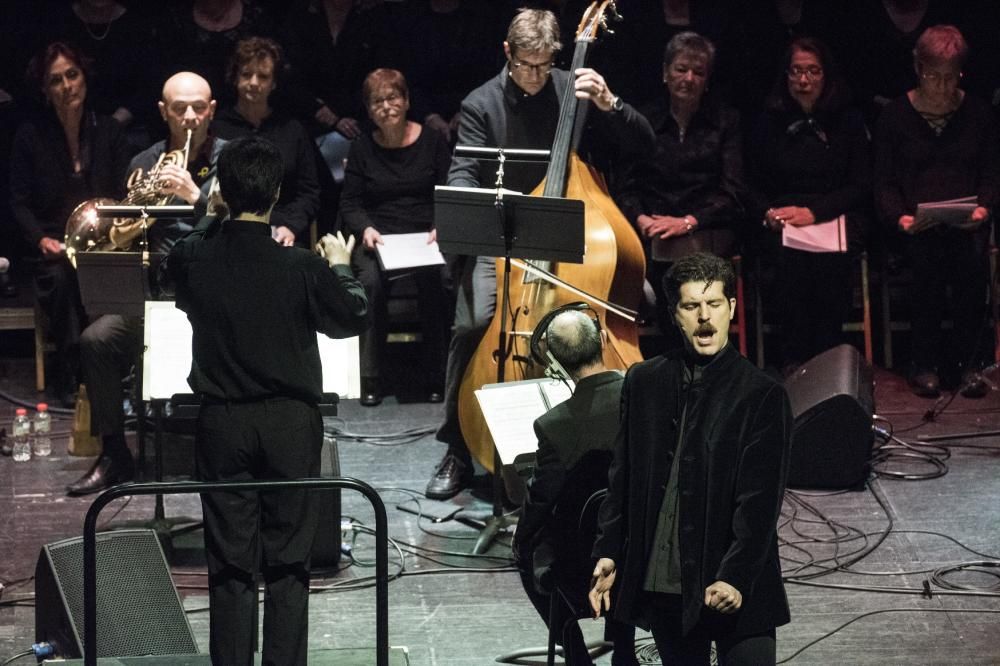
(547, 228)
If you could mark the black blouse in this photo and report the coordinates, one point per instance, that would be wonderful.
(392, 189)
(700, 174)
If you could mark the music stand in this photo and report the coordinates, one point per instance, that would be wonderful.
(119, 283)
(497, 223)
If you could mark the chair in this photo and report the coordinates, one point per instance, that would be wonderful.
(17, 314)
(574, 530)
(861, 304)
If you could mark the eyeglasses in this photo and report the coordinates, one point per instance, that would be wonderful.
(934, 77)
(540, 69)
(392, 99)
(812, 72)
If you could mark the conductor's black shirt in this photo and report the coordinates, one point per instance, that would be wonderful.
(255, 308)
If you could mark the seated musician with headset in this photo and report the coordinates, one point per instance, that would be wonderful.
(519, 108)
(110, 345)
(571, 436)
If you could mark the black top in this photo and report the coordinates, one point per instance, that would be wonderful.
(163, 233)
(298, 202)
(499, 113)
(822, 163)
(392, 189)
(255, 308)
(699, 175)
(914, 164)
(43, 188)
(331, 72)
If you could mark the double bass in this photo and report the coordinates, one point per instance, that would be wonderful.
(610, 277)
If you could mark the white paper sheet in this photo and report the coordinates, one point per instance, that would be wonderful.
(828, 236)
(510, 410)
(167, 360)
(951, 212)
(399, 251)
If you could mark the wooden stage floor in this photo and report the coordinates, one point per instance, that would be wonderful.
(448, 609)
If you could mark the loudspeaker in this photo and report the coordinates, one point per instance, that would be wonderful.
(138, 610)
(326, 547)
(832, 398)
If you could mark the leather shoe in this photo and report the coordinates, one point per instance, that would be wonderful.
(105, 473)
(973, 385)
(925, 383)
(449, 478)
(371, 396)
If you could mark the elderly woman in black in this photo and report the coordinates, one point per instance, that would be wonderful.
(60, 158)
(937, 143)
(694, 179)
(389, 189)
(808, 164)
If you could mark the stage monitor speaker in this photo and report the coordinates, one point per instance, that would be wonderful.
(832, 398)
(326, 547)
(138, 610)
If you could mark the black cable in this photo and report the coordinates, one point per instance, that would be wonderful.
(22, 402)
(17, 656)
(878, 612)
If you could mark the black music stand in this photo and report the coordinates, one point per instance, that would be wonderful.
(496, 223)
(120, 283)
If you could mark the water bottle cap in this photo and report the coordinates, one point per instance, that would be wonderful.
(42, 407)
(21, 411)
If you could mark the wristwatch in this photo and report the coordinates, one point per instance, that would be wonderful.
(617, 104)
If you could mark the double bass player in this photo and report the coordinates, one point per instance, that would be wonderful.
(519, 108)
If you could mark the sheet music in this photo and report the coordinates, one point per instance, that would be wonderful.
(510, 410)
(951, 212)
(167, 360)
(399, 251)
(830, 236)
(491, 191)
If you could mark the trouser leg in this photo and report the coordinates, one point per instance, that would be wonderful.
(108, 348)
(664, 615)
(371, 343)
(286, 616)
(755, 650)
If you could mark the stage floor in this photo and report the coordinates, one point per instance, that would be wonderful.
(451, 610)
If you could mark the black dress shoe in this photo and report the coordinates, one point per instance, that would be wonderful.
(925, 383)
(449, 478)
(105, 473)
(371, 396)
(973, 385)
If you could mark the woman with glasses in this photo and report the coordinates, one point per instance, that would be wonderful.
(389, 189)
(254, 71)
(808, 165)
(937, 143)
(694, 180)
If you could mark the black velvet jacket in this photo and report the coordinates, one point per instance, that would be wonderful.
(731, 483)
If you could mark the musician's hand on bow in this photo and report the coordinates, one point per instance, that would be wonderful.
(591, 85)
(335, 249)
(176, 181)
(371, 237)
(50, 247)
(282, 235)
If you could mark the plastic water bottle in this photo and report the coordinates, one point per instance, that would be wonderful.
(41, 443)
(21, 432)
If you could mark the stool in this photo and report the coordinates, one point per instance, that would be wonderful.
(19, 316)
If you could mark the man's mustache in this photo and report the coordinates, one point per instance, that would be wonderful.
(705, 329)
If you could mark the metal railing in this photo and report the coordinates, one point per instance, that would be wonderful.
(191, 487)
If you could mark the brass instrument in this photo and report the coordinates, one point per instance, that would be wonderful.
(86, 232)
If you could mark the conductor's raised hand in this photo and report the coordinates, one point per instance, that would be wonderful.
(335, 249)
(600, 585)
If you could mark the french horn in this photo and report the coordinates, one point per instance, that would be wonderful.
(86, 232)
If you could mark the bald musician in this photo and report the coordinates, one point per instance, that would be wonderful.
(110, 345)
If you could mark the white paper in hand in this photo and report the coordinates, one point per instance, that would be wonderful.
(401, 251)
